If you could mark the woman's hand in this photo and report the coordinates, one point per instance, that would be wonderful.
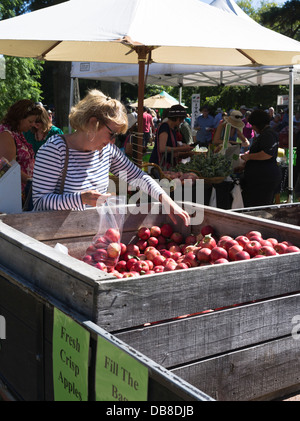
(172, 209)
(91, 197)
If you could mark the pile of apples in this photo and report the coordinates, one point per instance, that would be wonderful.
(161, 249)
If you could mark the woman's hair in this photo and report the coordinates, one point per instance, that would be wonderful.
(105, 109)
(20, 110)
(259, 118)
(45, 120)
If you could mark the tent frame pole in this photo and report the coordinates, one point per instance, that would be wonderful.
(291, 134)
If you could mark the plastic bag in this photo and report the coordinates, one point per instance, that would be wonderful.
(237, 197)
(105, 249)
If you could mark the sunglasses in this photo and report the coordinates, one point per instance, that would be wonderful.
(112, 134)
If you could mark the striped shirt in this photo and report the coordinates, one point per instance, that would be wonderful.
(87, 170)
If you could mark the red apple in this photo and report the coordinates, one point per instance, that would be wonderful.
(155, 231)
(267, 251)
(176, 255)
(143, 233)
(233, 250)
(100, 255)
(181, 265)
(218, 253)
(152, 241)
(229, 243)
(252, 233)
(177, 237)
(274, 241)
(203, 255)
(169, 265)
(191, 239)
(91, 249)
(292, 249)
(150, 264)
(113, 250)
(161, 239)
(121, 266)
(123, 248)
(158, 269)
(287, 243)
(142, 244)
(113, 235)
(221, 260)
(207, 229)
(242, 255)
(174, 248)
(264, 242)
(166, 253)
(190, 258)
(140, 266)
(159, 260)
(242, 240)
(117, 274)
(102, 266)
(252, 247)
(208, 241)
(101, 242)
(133, 249)
(151, 252)
(130, 263)
(166, 230)
(280, 248)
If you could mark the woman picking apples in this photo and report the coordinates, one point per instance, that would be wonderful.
(96, 121)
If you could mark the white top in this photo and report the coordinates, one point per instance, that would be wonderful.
(87, 170)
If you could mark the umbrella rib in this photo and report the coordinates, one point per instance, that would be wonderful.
(42, 56)
(247, 56)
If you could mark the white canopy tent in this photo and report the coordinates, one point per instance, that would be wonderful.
(115, 31)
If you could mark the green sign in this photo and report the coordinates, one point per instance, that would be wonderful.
(119, 377)
(70, 354)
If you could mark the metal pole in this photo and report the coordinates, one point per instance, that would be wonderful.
(291, 134)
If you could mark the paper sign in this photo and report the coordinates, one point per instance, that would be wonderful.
(70, 354)
(119, 377)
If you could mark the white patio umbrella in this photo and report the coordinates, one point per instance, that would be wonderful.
(131, 32)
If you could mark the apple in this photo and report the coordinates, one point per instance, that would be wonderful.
(101, 242)
(267, 251)
(229, 243)
(117, 274)
(143, 233)
(91, 249)
(174, 248)
(208, 241)
(121, 266)
(177, 237)
(264, 242)
(242, 240)
(242, 255)
(287, 243)
(280, 248)
(130, 263)
(113, 235)
(113, 250)
(253, 233)
(140, 266)
(183, 247)
(292, 249)
(176, 255)
(161, 239)
(207, 229)
(181, 265)
(159, 260)
(252, 247)
(233, 250)
(100, 254)
(155, 231)
(191, 239)
(274, 241)
(151, 252)
(220, 260)
(218, 253)
(190, 258)
(102, 266)
(133, 249)
(169, 265)
(152, 241)
(166, 230)
(166, 253)
(123, 248)
(158, 269)
(150, 264)
(203, 255)
(142, 244)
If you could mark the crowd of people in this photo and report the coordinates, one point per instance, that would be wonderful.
(28, 135)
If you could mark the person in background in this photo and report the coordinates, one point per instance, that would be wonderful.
(166, 151)
(148, 126)
(243, 110)
(275, 123)
(96, 121)
(262, 175)
(186, 133)
(271, 113)
(20, 117)
(235, 120)
(248, 131)
(41, 130)
(204, 125)
(218, 117)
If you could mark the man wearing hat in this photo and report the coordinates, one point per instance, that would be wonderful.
(166, 151)
(204, 125)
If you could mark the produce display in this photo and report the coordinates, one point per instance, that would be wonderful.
(161, 249)
(210, 165)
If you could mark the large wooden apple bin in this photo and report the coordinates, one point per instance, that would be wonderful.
(227, 329)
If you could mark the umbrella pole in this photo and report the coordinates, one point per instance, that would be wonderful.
(137, 153)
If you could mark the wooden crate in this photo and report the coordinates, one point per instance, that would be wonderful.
(285, 212)
(233, 340)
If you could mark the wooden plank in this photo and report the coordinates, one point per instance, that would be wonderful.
(150, 298)
(189, 339)
(285, 212)
(248, 374)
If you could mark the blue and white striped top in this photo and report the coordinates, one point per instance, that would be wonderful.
(87, 170)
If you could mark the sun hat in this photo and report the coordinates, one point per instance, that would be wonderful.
(177, 111)
(235, 119)
(131, 120)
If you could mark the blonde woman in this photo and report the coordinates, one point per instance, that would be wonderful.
(41, 130)
(96, 121)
